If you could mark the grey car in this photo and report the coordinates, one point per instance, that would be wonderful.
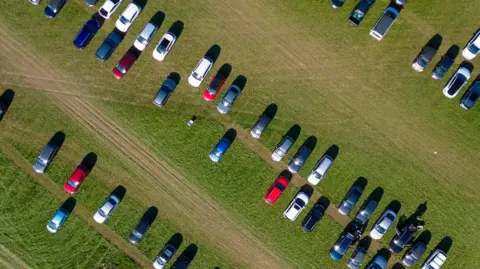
(90, 3)
(413, 254)
(350, 200)
(357, 258)
(228, 100)
(282, 148)
(260, 126)
(164, 92)
(46, 156)
(299, 159)
(141, 229)
(366, 210)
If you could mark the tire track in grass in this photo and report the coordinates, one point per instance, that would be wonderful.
(234, 239)
(10, 260)
(79, 210)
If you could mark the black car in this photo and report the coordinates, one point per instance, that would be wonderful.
(313, 217)
(360, 11)
(403, 237)
(182, 262)
(141, 229)
(442, 67)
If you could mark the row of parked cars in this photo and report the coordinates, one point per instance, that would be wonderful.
(461, 76)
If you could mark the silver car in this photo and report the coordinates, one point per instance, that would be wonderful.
(164, 92)
(366, 211)
(413, 254)
(45, 157)
(164, 256)
(320, 170)
(357, 258)
(299, 159)
(229, 99)
(260, 126)
(282, 148)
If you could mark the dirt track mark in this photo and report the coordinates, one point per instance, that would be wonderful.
(9, 260)
(79, 210)
(198, 207)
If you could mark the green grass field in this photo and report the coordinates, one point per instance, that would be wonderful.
(333, 80)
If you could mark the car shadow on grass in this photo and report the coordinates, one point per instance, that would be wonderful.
(467, 65)
(286, 174)
(89, 161)
(385, 253)
(323, 201)
(240, 81)
(177, 28)
(225, 70)
(425, 237)
(120, 192)
(231, 135)
(453, 51)
(308, 189)
(175, 77)
(140, 3)
(176, 240)
(271, 110)
(435, 41)
(6, 100)
(213, 52)
(311, 142)
(445, 244)
(361, 182)
(69, 204)
(376, 195)
(294, 132)
(398, 266)
(157, 19)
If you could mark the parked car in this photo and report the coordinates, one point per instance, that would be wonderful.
(424, 58)
(229, 99)
(366, 210)
(380, 227)
(320, 170)
(108, 46)
(378, 262)
(414, 253)
(384, 23)
(141, 229)
(403, 237)
(442, 67)
(348, 237)
(313, 217)
(260, 125)
(88, 31)
(108, 8)
(164, 256)
(277, 188)
(76, 179)
(469, 98)
(124, 65)
(90, 3)
(54, 7)
(282, 148)
(164, 46)
(214, 87)
(359, 12)
(182, 262)
(357, 257)
(473, 47)
(296, 206)
(145, 36)
(3, 109)
(200, 72)
(350, 200)
(128, 17)
(46, 156)
(337, 3)
(435, 260)
(35, 2)
(106, 208)
(164, 92)
(56, 222)
(299, 158)
(456, 82)
(219, 150)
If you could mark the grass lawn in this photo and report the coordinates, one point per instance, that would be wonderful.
(325, 75)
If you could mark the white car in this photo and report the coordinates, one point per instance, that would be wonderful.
(200, 72)
(145, 36)
(320, 169)
(164, 46)
(107, 9)
(35, 2)
(380, 227)
(164, 256)
(128, 17)
(106, 209)
(456, 82)
(435, 260)
(473, 47)
(296, 206)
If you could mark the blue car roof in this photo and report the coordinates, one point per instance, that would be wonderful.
(223, 144)
(49, 13)
(86, 33)
(59, 216)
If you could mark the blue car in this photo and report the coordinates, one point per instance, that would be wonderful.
(108, 46)
(86, 34)
(57, 220)
(348, 237)
(219, 150)
(470, 97)
(54, 7)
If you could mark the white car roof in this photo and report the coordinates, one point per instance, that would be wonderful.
(303, 196)
(203, 65)
(324, 165)
(464, 71)
(148, 30)
(108, 5)
(131, 9)
(438, 260)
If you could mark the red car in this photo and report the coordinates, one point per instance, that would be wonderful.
(214, 87)
(124, 65)
(276, 190)
(76, 179)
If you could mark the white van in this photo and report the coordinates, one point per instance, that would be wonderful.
(200, 71)
(319, 171)
(384, 23)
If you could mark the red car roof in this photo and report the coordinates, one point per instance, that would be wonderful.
(77, 177)
(274, 192)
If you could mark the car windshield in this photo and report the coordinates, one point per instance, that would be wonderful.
(358, 14)
(197, 76)
(473, 96)
(300, 202)
(103, 12)
(102, 213)
(124, 20)
(142, 40)
(52, 225)
(120, 68)
(213, 87)
(380, 229)
(375, 266)
(279, 186)
(422, 62)
(473, 49)
(71, 183)
(164, 43)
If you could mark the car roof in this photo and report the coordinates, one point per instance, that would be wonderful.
(126, 59)
(302, 195)
(131, 9)
(223, 144)
(429, 53)
(59, 216)
(203, 65)
(47, 151)
(77, 174)
(325, 163)
(149, 28)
